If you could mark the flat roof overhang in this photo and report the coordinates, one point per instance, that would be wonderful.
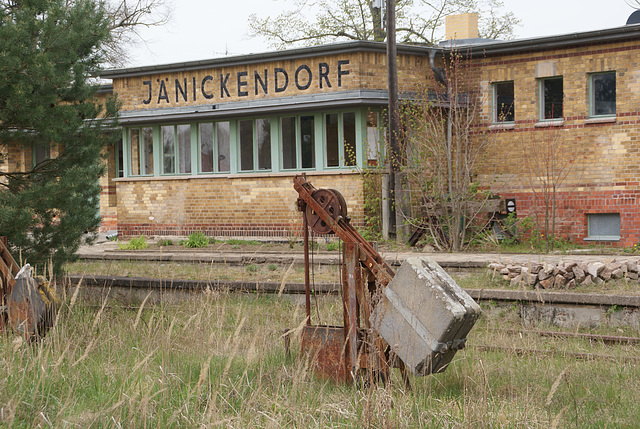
(248, 59)
(520, 46)
(269, 106)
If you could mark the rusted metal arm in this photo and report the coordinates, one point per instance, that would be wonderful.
(369, 257)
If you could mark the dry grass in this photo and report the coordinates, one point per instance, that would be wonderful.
(218, 360)
(266, 272)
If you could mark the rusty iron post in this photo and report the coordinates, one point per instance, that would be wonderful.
(307, 281)
(351, 305)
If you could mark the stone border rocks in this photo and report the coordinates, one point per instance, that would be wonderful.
(565, 274)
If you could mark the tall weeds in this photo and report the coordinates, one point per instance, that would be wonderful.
(218, 359)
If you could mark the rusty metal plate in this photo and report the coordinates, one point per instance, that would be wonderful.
(324, 345)
(28, 313)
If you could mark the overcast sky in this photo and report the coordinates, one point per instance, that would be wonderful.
(203, 29)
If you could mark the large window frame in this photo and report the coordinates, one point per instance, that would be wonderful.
(298, 142)
(176, 151)
(40, 152)
(503, 102)
(252, 144)
(340, 139)
(218, 155)
(140, 151)
(551, 98)
(602, 94)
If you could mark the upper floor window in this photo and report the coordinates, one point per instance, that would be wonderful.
(141, 151)
(340, 135)
(503, 102)
(603, 94)
(551, 96)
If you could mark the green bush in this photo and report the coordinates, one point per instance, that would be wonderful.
(165, 242)
(134, 244)
(272, 267)
(252, 268)
(197, 239)
(332, 246)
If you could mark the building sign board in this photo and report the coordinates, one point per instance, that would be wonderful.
(243, 83)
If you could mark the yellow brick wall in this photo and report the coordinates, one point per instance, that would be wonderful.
(603, 154)
(260, 205)
(598, 160)
(367, 70)
(108, 196)
(461, 26)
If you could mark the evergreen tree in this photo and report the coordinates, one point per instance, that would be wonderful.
(49, 49)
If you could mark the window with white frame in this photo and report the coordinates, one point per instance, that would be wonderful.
(214, 147)
(503, 102)
(176, 149)
(340, 139)
(603, 226)
(141, 151)
(603, 94)
(551, 98)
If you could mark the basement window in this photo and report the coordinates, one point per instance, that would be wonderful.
(603, 227)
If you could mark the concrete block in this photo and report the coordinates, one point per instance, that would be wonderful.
(424, 316)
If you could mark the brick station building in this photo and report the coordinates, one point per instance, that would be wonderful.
(213, 145)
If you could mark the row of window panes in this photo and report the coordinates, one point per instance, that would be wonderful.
(297, 144)
(602, 100)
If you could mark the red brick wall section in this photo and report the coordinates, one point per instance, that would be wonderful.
(573, 208)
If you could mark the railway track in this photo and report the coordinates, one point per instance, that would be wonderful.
(556, 308)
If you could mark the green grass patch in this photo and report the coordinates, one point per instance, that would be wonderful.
(332, 246)
(138, 243)
(197, 239)
(238, 242)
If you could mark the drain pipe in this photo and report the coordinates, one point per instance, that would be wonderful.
(394, 126)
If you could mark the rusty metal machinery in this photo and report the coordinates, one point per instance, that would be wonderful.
(342, 353)
(424, 315)
(27, 305)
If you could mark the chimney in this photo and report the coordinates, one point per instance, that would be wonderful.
(463, 26)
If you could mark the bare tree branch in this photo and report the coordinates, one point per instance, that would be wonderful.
(417, 21)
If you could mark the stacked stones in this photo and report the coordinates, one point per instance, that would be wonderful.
(565, 275)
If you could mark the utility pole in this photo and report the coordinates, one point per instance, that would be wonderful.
(394, 126)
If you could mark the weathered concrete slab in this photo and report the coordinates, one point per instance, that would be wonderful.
(424, 316)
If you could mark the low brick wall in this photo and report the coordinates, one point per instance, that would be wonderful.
(234, 206)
